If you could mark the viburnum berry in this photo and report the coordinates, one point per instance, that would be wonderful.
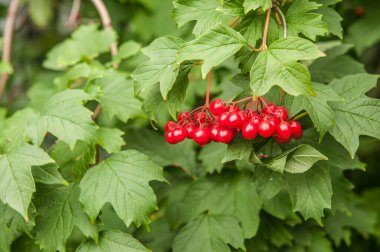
(296, 129)
(201, 136)
(217, 107)
(220, 123)
(249, 130)
(225, 135)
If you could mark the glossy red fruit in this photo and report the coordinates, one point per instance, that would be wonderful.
(243, 118)
(225, 135)
(234, 120)
(201, 136)
(217, 107)
(214, 133)
(169, 137)
(223, 119)
(249, 130)
(183, 116)
(170, 125)
(255, 119)
(190, 128)
(281, 112)
(280, 140)
(200, 117)
(232, 109)
(266, 128)
(179, 134)
(296, 129)
(283, 131)
(269, 109)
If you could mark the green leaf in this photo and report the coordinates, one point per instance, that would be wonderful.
(115, 241)
(300, 19)
(211, 156)
(6, 68)
(161, 68)
(48, 175)
(239, 148)
(203, 12)
(209, 233)
(41, 11)
(122, 180)
(239, 195)
(317, 107)
(16, 181)
(268, 183)
(155, 146)
(310, 192)
(127, 50)
(59, 211)
(232, 8)
(358, 114)
(364, 27)
(64, 116)
(278, 66)
(331, 17)
(213, 47)
(118, 96)
(255, 4)
(86, 43)
(76, 73)
(335, 65)
(111, 139)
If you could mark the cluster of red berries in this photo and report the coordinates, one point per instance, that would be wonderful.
(220, 122)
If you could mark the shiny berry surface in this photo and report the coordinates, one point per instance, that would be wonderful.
(214, 133)
(183, 116)
(281, 112)
(249, 130)
(283, 131)
(296, 129)
(225, 135)
(179, 134)
(170, 125)
(201, 136)
(266, 128)
(217, 107)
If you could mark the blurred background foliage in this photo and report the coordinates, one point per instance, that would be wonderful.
(41, 24)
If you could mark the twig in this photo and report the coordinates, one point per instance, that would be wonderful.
(207, 104)
(278, 10)
(7, 46)
(106, 20)
(74, 13)
(264, 45)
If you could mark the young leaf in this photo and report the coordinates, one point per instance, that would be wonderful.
(65, 117)
(255, 4)
(213, 47)
(118, 96)
(161, 68)
(209, 233)
(122, 180)
(48, 175)
(331, 17)
(203, 12)
(111, 139)
(115, 241)
(59, 211)
(316, 106)
(127, 50)
(87, 42)
(278, 66)
(16, 181)
(310, 192)
(358, 114)
(300, 19)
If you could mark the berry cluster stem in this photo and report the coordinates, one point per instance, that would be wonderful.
(264, 45)
(7, 45)
(207, 103)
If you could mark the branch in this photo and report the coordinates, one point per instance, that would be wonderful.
(74, 13)
(7, 46)
(106, 20)
(278, 10)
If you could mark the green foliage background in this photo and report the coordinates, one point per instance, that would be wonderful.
(114, 184)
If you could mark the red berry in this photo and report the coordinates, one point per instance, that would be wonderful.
(170, 125)
(225, 135)
(179, 134)
(232, 109)
(249, 130)
(234, 120)
(223, 119)
(281, 112)
(201, 136)
(266, 127)
(296, 129)
(217, 107)
(190, 128)
(243, 118)
(200, 117)
(214, 133)
(255, 119)
(280, 140)
(283, 131)
(269, 109)
(169, 137)
(183, 116)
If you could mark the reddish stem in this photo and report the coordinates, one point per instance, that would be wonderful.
(207, 104)
(266, 27)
